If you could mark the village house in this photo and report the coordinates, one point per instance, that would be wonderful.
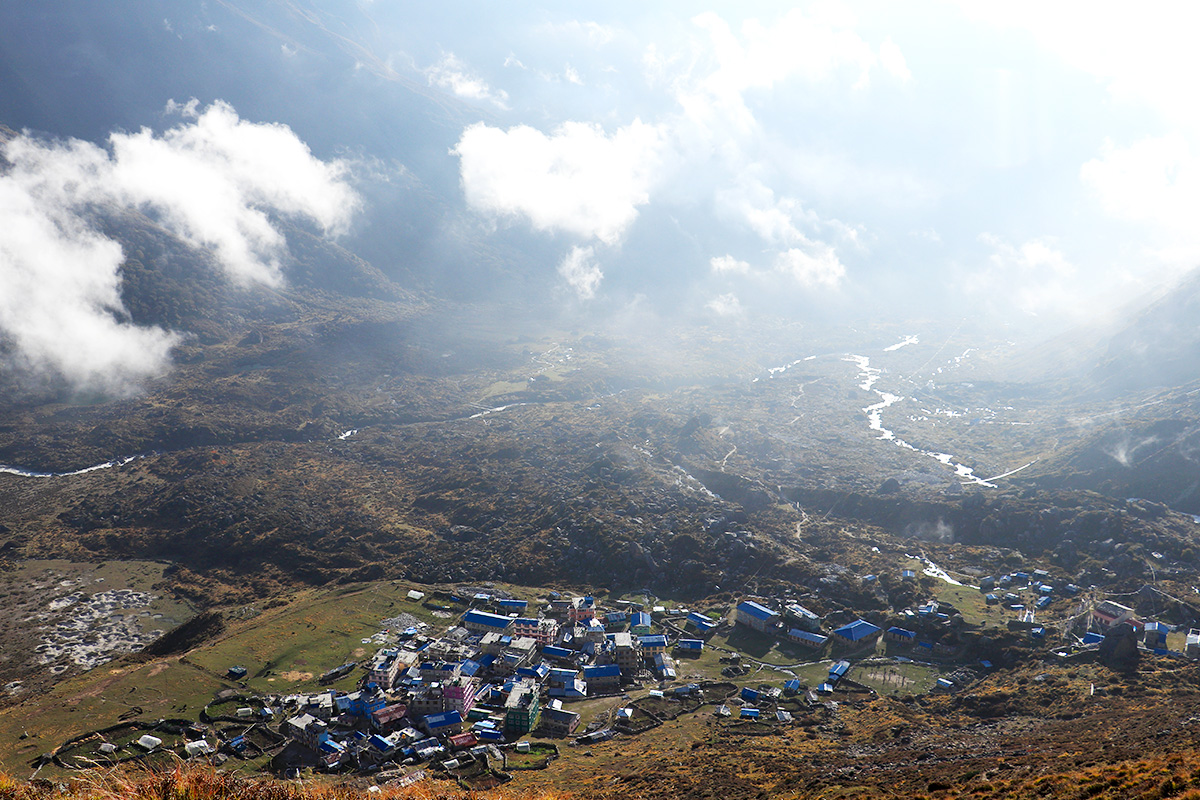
(758, 617)
(1191, 646)
(557, 721)
(602, 677)
(807, 638)
(541, 630)
(857, 632)
(521, 709)
(803, 619)
(582, 609)
(509, 605)
(384, 668)
(1107, 614)
(443, 724)
(478, 621)
(652, 645)
(627, 652)
(701, 623)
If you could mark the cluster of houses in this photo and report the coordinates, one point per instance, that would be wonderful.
(499, 673)
(928, 626)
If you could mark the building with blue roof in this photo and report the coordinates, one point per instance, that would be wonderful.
(691, 647)
(485, 621)
(602, 677)
(560, 654)
(443, 723)
(509, 604)
(748, 713)
(807, 638)
(700, 622)
(1156, 634)
(640, 623)
(900, 635)
(653, 644)
(664, 666)
(758, 617)
(857, 631)
(749, 695)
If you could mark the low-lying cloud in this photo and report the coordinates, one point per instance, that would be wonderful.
(578, 179)
(213, 181)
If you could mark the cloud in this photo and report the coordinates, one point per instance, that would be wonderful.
(728, 265)
(817, 265)
(577, 180)
(581, 273)
(1153, 182)
(592, 33)
(61, 306)
(811, 46)
(212, 181)
(451, 73)
(1034, 278)
(725, 305)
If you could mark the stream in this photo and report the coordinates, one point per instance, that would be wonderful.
(868, 376)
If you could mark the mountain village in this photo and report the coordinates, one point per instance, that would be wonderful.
(468, 701)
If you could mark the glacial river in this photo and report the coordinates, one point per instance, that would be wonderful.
(868, 376)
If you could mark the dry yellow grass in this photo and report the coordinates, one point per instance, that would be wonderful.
(200, 783)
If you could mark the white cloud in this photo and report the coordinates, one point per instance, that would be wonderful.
(61, 300)
(816, 265)
(210, 181)
(452, 74)
(892, 60)
(1155, 182)
(811, 46)
(725, 305)
(728, 265)
(578, 179)
(581, 272)
(1034, 278)
(1149, 57)
(592, 33)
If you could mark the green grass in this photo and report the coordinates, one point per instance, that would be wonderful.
(288, 649)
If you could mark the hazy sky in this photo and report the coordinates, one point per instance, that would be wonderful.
(1035, 158)
(1034, 161)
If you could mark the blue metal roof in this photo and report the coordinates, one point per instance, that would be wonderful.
(755, 610)
(749, 694)
(857, 630)
(807, 636)
(690, 644)
(514, 604)
(653, 640)
(443, 719)
(476, 617)
(601, 671)
(904, 632)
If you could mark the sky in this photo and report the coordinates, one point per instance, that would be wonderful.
(1032, 164)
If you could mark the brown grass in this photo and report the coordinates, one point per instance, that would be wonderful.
(201, 783)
